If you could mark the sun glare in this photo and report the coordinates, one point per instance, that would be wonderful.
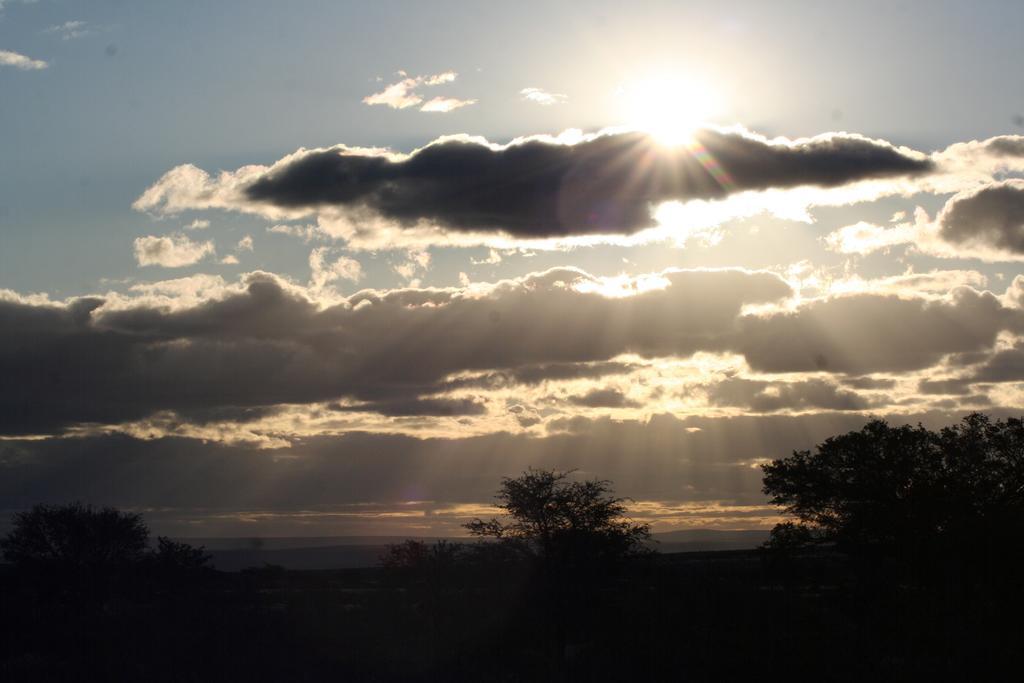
(670, 108)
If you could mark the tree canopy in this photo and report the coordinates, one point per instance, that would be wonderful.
(550, 515)
(95, 552)
(75, 535)
(906, 490)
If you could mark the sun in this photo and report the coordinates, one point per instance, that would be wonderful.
(669, 108)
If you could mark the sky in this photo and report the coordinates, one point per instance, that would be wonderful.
(337, 268)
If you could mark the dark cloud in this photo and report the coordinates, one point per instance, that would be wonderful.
(868, 383)
(194, 487)
(603, 398)
(869, 333)
(956, 386)
(407, 407)
(1006, 145)
(974, 401)
(267, 345)
(991, 216)
(535, 374)
(1006, 365)
(692, 459)
(767, 397)
(537, 188)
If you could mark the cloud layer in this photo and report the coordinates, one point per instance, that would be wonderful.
(984, 222)
(267, 343)
(536, 187)
(695, 472)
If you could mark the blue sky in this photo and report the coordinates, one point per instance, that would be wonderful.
(858, 253)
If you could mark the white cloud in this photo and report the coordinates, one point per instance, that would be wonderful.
(397, 95)
(230, 260)
(542, 97)
(181, 292)
(69, 30)
(402, 95)
(324, 271)
(170, 251)
(417, 260)
(19, 61)
(493, 257)
(439, 79)
(245, 244)
(981, 222)
(307, 233)
(864, 238)
(445, 104)
(198, 224)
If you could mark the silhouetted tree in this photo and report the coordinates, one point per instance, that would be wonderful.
(75, 536)
(179, 556)
(419, 555)
(78, 551)
(552, 517)
(576, 531)
(906, 491)
(176, 566)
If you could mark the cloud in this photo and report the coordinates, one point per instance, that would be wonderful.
(182, 291)
(957, 386)
(198, 224)
(19, 61)
(542, 97)
(417, 261)
(324, 271)
(1002, 366)
(603, 398)
(985, 222)
(401, 95)
(866, 333)
(445, 104)
(865, 238)
(540, 189)
(533, 188)
(767, 397)
(493, 257)
(869, 382)
(245, 244)
(170, 251)
(535, 374)
(405, 407)
(695, 471)
(397, 95)
(266, 342)
(69, 30)
(991, 216)
(307, 233)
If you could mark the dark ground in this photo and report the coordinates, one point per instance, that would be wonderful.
(333, 552)
(713, 616)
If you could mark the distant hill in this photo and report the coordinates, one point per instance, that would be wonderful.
(698, 540)
(341, 552)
